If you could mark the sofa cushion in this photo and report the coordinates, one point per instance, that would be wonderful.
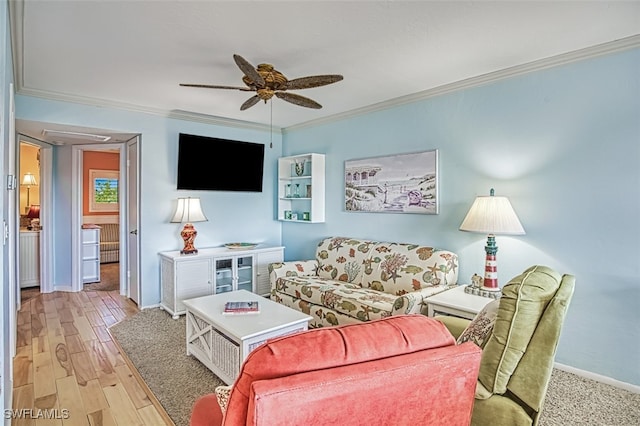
(342, 258)
(479, 329)
(325, 348)
(106, 246)
(398, 268)
(524, 300)
(109, 232)
(343, 297)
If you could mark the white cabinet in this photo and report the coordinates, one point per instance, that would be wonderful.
(301, 188)
(90, 255)
(29, 259)
(212, 271)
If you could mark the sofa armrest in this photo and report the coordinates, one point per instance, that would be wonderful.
(297, 268)
(414, 302)
(455, 325)
(206, 412)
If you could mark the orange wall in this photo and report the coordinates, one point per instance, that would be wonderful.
(100, 161)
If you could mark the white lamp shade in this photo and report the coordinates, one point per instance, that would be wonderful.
(29, 179)
(492, 215)
(188, 210)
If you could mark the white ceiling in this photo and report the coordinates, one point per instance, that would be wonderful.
(133, 54)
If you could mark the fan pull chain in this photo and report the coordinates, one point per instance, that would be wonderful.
(271, 127)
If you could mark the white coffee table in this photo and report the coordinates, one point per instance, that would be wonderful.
(222, 342)
(456, 302)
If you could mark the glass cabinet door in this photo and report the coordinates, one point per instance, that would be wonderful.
(234, 273)
(224, 275)
(245, 273)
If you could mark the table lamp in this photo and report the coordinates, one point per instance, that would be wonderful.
(188, 211)
(491, 215)
(28, 180)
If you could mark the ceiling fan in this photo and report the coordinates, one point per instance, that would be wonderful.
(266, 81)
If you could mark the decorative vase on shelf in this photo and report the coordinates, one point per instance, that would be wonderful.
(287, 193)
(299, 167)
(296, 191)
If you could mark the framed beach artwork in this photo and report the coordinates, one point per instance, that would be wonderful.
(103, 190)
(402, 183)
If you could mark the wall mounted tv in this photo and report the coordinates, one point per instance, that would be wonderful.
(213, 164)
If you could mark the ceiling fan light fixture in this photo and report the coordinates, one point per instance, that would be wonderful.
(76, 135)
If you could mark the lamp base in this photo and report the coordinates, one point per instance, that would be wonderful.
(188, 235)
(493, 293)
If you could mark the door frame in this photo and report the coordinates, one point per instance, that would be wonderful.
(76, 212)
(46, 217)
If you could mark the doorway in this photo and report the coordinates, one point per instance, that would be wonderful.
(101, 221)
(29, 178)
(99, 173)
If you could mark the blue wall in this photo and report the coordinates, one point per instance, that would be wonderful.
(563, 144)
(233, 216)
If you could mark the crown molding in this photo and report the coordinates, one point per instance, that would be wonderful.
(626, 43)
(16, 11)
(175, 114)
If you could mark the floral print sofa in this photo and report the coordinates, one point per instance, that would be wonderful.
(353, 280)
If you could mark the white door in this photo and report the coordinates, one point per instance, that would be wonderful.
(133, 274)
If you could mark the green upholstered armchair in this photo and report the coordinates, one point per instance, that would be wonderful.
(517, 359)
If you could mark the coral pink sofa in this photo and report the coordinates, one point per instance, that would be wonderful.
(345, 375)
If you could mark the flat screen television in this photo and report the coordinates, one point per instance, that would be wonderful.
(214, 164)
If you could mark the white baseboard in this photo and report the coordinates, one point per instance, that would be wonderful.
(598, 378)
(66, 288)
(156, 305)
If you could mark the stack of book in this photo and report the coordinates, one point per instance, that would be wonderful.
(238, 308)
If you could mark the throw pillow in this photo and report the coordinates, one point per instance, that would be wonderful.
(222, 394)
(479, 329)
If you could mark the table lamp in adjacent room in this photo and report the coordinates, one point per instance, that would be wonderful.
(28, 180)
(188, 211)
(491, 215)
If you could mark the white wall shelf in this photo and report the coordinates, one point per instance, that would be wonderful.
(301, 197)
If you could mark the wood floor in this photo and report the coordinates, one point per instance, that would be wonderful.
(68, 370)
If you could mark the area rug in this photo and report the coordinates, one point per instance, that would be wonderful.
(155, 343)
(109, 278)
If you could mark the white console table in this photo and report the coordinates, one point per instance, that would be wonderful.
(214, 271)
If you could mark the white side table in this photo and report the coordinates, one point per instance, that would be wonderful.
(456, 302)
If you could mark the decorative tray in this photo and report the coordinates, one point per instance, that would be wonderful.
(239, 246)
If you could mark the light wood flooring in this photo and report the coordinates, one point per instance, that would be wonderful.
(67, 364)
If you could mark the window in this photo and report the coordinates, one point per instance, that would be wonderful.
(103, 191)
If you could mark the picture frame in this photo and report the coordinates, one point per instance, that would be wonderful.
(104, 190)
(400, 183)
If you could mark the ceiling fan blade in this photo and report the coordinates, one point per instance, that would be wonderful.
(210, 86)
(249, 70)
(298, 100)
(313, 81)
(249, 102)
